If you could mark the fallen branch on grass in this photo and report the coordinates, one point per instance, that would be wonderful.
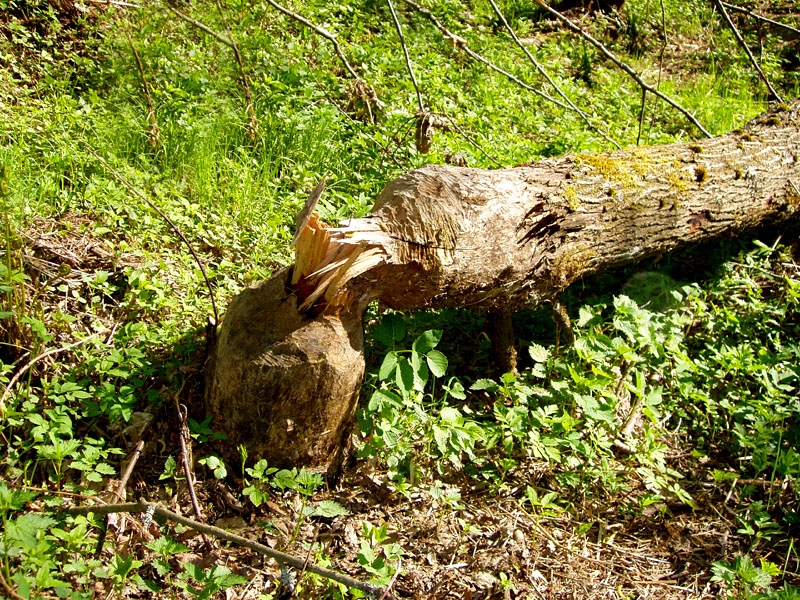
(280, 557)
(732, 26)
(33, 361)
(624, 66)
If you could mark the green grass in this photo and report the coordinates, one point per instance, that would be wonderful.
(716, 367)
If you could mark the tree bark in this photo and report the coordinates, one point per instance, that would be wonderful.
(285, 375)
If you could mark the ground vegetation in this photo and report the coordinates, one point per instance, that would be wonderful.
(153, 158)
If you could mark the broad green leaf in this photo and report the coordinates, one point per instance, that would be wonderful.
(166, 546)
(224, 578)
(381, 397)
(170, 468)
(25, 528)
(38, 328)
(404, 376)
(286, 479)
(330, 509)
(585, 315)
(421, 373)
(485, 384)
(442, 437)
(720, 476)
(592, 409)
(770, 568)
(437, 362)
(390, 330)
(14, 499)
(388, 366)
(105, 469)
(257, 495)
(427, 341)
(450, 415)
(538, 353)
(455, 389)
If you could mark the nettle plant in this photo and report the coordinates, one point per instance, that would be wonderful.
(409, 419)
(571, 409)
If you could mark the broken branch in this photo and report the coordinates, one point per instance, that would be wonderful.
(624, 66)
(732, 26)
(280, 557)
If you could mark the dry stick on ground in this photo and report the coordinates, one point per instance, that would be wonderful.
(281, 557)
(183, 434)
(115, 3)
(546, 75)
(726, 17)
(624, 66)
(405, 52)
(120, 493)
(154, 133)
(252, 121)
(750, 13)
(462, 43)
(32, 362)
(130, 187)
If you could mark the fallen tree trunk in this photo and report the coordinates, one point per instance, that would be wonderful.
(285, 374)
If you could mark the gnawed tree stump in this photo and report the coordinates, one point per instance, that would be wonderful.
(285, 375)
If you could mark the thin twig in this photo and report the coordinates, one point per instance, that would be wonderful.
(120, 493)
(281, 557)
(641, 117)
(321, 31)
(123, 483)
(115, 3)
(750, 13)
(462, 43)
(464, 134)
(32, 362)
(546, 75)
(661, 52)
(183, 434)
(7, 588)
(154, 133)
(252, 121)
(202, 26)
(624, 66)
(732, 26)
(169, 221)
(392, 580)
(405, 52)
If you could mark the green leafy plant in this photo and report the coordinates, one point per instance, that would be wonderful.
(216, 465)
(744, 580)
(410, 419)
(257, 489)
(377, 556)
(211, 581)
